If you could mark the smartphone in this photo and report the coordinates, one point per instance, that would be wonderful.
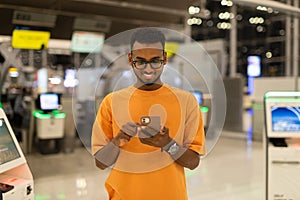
(152, 122)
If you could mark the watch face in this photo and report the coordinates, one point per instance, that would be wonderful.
(173, 149)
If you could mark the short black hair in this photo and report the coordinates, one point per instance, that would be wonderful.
(147, 35)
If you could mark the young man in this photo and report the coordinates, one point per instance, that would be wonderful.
(148, 160)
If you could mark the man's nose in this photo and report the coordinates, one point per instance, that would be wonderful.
(148, 68)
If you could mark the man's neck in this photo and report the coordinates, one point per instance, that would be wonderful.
(148, 87)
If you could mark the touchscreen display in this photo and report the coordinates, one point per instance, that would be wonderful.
(285, 119)
(49, 101)
(8, 150)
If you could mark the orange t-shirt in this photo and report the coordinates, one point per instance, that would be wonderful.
(142, 171)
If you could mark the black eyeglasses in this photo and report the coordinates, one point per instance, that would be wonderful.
(154, 64)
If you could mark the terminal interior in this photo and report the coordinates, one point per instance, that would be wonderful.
(60, 58)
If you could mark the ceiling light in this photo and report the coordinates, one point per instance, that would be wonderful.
(224, 25)
(262, 8)
(239, 17)
(226, 3)
(281, 32)
(210, 23)
(270, 10)
(194, 21)
(256, 20)
(193, 10)
(230, 3)
(190, 22)
(226, 15)
(269, 54)
(260, 29)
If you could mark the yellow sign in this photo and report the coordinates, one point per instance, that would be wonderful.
(171, 48)
(28, 39)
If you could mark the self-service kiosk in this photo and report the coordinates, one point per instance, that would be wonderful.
(49, 122)
(282, 145)
(16, 181)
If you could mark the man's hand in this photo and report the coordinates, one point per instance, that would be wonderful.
(126, 132)
(152, 137)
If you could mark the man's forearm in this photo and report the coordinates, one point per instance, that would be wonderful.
(183, 156)
(107, 155)
(189, 159)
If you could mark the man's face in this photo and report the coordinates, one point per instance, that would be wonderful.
(142, 57)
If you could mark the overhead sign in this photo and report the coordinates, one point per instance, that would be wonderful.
(87, 42)
(33, 19)
(30, 39)
(99, 25)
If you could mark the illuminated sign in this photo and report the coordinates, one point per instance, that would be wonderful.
(87, 42)
(30, 39)
(254, 66)
(171, 48)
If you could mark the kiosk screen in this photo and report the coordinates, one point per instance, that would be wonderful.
(285, 119)
(48, 101)
(8, 149)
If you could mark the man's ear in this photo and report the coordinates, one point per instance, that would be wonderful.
(165, 58)
(130, 58)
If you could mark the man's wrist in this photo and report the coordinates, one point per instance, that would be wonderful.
(167, 146)
(116, 142)
(171, 148)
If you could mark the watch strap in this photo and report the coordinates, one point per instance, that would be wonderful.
(174, 149)
(167, 147)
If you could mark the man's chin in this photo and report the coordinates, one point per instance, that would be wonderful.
(148, 82)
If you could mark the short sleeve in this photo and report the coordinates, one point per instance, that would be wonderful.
(194, 137)
(102, 128)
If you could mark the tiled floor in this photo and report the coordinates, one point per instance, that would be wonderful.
(232, 171)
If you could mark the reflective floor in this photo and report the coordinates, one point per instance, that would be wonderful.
(233, 170)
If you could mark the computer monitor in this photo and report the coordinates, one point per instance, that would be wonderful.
(198, 95)
(11, 154)
(48, 102)
(282, 118)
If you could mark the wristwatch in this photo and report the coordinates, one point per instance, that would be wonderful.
(173, 149)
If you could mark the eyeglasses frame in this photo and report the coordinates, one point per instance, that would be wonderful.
(147, 62)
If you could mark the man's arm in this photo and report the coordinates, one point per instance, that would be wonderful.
(181, 155)
(108, 154)
(189, 159)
